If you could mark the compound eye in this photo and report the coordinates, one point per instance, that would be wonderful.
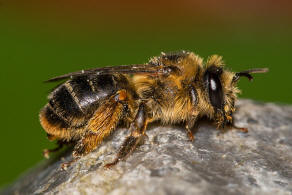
(214, 88)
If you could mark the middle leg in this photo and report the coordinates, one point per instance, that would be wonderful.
(137, 128)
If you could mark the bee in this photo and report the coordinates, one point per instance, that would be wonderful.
(177, 87)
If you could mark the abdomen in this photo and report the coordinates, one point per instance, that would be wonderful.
(73, 103)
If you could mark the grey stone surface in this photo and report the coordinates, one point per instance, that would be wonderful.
(259, 162)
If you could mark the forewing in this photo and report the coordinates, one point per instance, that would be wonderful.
(125, 69)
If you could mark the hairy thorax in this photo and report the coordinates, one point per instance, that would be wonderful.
(166, 98)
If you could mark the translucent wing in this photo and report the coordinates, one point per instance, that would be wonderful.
(125, 69)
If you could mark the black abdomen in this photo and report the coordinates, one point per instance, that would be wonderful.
(73, 103)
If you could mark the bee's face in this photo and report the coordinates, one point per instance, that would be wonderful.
(221, 91)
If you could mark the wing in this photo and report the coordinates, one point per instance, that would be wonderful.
(125, 69)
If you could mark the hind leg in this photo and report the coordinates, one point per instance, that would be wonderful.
(103, 122)
(46, 152)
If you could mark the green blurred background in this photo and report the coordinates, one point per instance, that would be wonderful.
(39, 40)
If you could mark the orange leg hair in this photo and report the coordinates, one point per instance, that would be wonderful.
(103, 122)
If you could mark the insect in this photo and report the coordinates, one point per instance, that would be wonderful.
(171, 88)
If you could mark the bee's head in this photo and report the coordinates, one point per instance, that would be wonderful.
(221, 88)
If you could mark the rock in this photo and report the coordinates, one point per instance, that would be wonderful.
(258, 162)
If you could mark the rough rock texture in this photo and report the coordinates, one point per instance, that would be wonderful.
(259, 162)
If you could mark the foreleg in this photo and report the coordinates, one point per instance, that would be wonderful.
(230, 124)
(192, 126)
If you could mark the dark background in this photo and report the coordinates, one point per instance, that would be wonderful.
(40, 40)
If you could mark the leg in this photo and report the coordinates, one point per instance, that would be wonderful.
(232, 125)
(103, 122)
(191, 125)
(46, 152)
(242, 129)
(191, 122)
(137, 128)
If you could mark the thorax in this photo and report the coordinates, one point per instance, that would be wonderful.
(166, 98)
